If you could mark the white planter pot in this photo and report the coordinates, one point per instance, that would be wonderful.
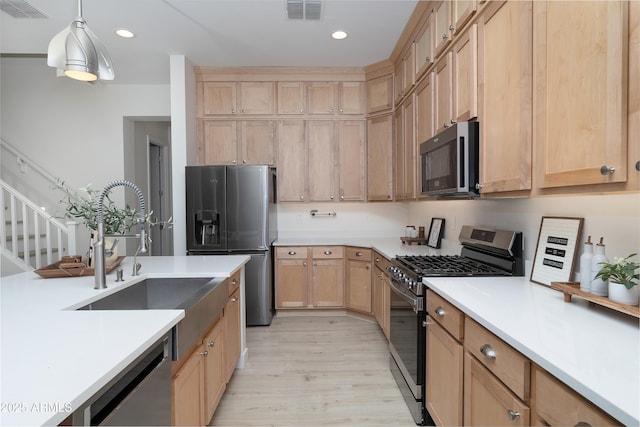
(619, 293)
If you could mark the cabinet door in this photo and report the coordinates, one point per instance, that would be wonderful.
(218, 98)
(443, 78)
(425, 110)
(581, 87)
(424, 46)
(487, 402)
(187, 391)
(291, 98)
(443, 25)
(292, 168)
(359, 285)
(214, 368)
(352, 98)
(398, 81)
(380, 94)
(504, 51)
(443, 376)
(219, 143)
(377, 301)
(352, 161)
(409, 69)
(257, 142)
(291, 283)
(465, 75)
(462, 11)
(405, 151)
(327, 283)
(398, 143)
(380, 158)
(321, 161)
(321, 98)
(257, 97)
(232, 333)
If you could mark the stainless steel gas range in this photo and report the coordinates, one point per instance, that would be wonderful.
(485, 252)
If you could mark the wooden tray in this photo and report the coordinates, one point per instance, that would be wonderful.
(573, 288)
(412, 240)
(55, 270)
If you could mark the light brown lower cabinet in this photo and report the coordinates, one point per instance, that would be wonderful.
(359, 279)
(200, 381)
(488, 402)
(232, 333)
(555, 404)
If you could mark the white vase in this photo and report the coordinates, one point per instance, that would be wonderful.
(619, 293)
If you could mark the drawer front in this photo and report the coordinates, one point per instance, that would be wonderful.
(445, 314)
(234, 282)
(557, 404)
(359, 254)
(320, 252)
(291, 252)
(511, 367)
(381, 261)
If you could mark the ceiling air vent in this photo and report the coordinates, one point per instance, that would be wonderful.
(20, 9)
(304, 9)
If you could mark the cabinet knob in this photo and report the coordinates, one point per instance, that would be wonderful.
(377, 259)
(331, 110)
(331, 197)
(242, 110)
(301, 111)
(341, 110)
(478, 186)
(234, 299)
(445, 124)
(328, 252)
(427, 59)
(211, 343)
(292, 252)
(607, 170)
(204, 353)
(304, 263)
(233, 111)
(367, 267)
(244, 162)
(453, 121)
(234, 282)
(440, 311)
(358, 253)
(234, 162)
(444, 37)
(315, 263)
(342, 197)
(452, 27)
(513, 415)
(488, 352)
(301, 197)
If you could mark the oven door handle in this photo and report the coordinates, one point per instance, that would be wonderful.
(415, 302)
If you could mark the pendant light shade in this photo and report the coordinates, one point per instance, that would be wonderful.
(78, 53)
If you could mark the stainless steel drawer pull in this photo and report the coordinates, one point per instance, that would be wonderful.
(488, 352)
(204, 353)
(327, 252)
(292, 252)
(513, 415)
(440, 311)
(358, 253)
(607, 170)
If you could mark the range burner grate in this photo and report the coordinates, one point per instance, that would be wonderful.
(447, 265)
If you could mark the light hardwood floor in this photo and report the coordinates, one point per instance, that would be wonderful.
(314, 371)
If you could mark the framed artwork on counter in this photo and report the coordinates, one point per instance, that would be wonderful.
(436, 232)
(555, 255)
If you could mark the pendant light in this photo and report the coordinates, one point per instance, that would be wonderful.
(78, 53)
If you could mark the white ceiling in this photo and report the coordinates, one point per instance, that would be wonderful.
(216, 33)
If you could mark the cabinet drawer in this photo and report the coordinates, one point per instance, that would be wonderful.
(234, 282)
(445, 314)
(381, 261)
(557, 404)
(327, 252)
(511, 367)
(291, 252)
(358, 254)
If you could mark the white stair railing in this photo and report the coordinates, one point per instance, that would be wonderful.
(31, 225)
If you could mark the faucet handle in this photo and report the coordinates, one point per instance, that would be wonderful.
(136, 268)
(119, 274)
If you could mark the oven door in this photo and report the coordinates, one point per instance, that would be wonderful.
(407, 336)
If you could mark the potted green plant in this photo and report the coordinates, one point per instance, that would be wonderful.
(623, 279)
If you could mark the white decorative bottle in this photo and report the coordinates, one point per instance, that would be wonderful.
(598, 286)
(585, 266)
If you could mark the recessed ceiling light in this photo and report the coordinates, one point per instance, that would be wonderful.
(339, 35)
(123, 32)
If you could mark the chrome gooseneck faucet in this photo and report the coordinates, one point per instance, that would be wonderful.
(100, 267)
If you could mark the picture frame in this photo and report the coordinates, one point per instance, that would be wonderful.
(436, 232)
(556, 249)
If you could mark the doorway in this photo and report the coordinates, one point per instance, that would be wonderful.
(159, 197)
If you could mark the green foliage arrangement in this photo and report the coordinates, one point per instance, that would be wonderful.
(621, 270)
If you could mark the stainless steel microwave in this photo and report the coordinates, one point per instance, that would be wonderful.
(449, 161)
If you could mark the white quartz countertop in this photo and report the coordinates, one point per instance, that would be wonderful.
(592, 349)
(54, 358)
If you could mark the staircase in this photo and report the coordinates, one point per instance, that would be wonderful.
(30, 237)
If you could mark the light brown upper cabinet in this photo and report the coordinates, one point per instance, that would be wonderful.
(580, 112)
(291, 98)
(443, 85)
(351, 149)
(321, 160)
(380, 158)
(331, 98)
(257, 142)
(218, 142)
(292, 161)
(380, 94)
(424, 54)
(443, 25)
(230, 98)
(465, 75)
(425, 109)
(405, 151)
(461, 12)
(505, 95)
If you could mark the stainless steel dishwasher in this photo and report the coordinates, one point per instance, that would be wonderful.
(139, 395)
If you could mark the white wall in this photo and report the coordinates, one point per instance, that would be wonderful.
(614, 217)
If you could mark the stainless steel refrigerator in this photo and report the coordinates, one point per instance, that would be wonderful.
(231, 210)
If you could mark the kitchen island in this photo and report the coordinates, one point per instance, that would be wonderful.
(55, 358)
